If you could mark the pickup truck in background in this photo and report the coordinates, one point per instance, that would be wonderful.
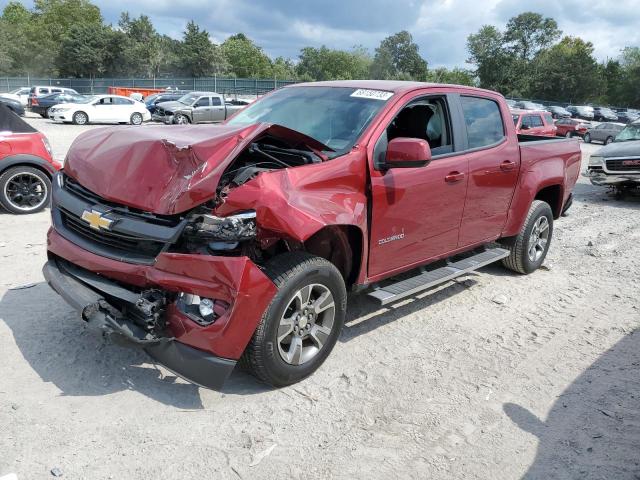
(208, 246)
(195, 107)
(617, 164)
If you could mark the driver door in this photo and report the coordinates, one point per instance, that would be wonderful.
(202, 110)
(416, 212)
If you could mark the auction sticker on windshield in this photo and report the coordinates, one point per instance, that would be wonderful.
(375, 94)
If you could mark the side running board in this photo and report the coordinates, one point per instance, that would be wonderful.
(422, 281)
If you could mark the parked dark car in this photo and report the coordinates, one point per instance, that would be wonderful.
(627, 116)
(604, 114)
(13, 105)
(526, 105)
(42, 105)
(152, 100)
(618, 164)
(581, 111)
(559, 112)
(572, 127)
(37, 92)
(606, 133)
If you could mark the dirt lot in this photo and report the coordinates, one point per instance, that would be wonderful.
(495, 376)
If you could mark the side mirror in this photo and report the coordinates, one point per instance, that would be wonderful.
(407, 153)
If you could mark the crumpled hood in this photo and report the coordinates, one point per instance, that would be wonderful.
(172, 106)
(164, 169)
(621, 149)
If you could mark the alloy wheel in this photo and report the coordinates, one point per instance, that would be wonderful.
(538, 239)
(306, 324)
(25, 191)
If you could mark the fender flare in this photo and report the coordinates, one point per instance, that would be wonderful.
(27, 159)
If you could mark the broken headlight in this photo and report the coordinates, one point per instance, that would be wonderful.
(221, 233)
(595, 161)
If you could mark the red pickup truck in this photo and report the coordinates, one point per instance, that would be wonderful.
(209, 245)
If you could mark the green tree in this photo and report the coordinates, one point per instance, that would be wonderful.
(630, 78)
(566, 71)
(492, 61)
(141, 49)
(83, 51)
(398, 56)
(245, 58)
(455, 76)
(327, 64)
(283, 69)
(199, 56)
(528, 33)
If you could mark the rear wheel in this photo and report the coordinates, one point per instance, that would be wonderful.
(136, 119)
(529, 248)
(608, 140)
(80, 118)
(587, 138)
(300, 327)
(24, 190)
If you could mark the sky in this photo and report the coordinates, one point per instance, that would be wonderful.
(439, 27)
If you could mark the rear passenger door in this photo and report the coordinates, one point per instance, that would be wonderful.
(218, 109)
(494, 164)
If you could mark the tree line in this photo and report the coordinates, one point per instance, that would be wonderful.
(529, 58)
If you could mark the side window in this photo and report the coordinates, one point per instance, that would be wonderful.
(548, 119)
(203, 102)
(122, 101)
(215, 101)
(484, 121)
(527, 121)
(536, 121)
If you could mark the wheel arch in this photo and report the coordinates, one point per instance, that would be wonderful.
(27, 161)
(553, 195)
(342, 245)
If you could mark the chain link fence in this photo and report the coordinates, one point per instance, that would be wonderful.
(227, 86)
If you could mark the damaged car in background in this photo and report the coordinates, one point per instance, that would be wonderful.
(196, 107)
(209, 246)
(617, 165)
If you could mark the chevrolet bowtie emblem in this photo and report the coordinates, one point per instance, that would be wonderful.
(96, 220)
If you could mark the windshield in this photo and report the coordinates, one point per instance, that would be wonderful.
(16, 91)
(335, 116)
(189, 98)
(629, 133)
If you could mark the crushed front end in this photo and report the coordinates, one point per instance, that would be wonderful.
(177, 286)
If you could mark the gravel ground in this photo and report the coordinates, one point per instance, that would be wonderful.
(494, 376)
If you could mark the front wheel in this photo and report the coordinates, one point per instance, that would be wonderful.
(302, 323)
(136, 119)
(608, 140)
(24, 190)
(587, 138)
(80, 118)
(529, 248)
(181, 119)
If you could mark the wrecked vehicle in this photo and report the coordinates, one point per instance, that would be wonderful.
(195, 107)
(207, 245)
(617, 164)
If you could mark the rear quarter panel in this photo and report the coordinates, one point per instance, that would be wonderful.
(544, 163)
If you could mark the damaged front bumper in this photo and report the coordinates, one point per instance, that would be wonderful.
(166, 118)
(102, 317)
(124, 301)
(607, 179)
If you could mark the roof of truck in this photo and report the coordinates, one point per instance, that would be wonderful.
(395, 86)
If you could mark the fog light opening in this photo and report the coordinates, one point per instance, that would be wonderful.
(203, 311)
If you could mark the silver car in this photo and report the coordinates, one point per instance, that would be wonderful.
(195, 107)
(605, 132)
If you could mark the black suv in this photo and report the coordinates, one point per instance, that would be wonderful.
(604, 114)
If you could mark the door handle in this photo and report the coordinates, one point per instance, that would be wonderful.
(454, 177)
(507, 166)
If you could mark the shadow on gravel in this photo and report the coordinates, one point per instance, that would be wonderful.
(593, 429)
(365, 315)
(604, 196)
(61, 350)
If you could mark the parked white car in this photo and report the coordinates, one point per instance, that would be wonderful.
(101, 109)
(19, 94)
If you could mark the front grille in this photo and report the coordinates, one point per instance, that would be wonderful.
(618, 165)
(125, 244)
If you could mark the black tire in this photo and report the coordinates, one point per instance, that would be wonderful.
(519, 259)
(291, 272)
(587, 138)
(43, 115)
(80, 118)
(608, 140)
(136, 119)
(13, 205)
(47, 112)
(181, 119)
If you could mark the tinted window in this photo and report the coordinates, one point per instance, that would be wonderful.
(105, 101)
(122, 101)
(215, 101)
(484, 122)
(203, 102)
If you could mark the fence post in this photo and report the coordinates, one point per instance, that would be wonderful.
(194, 83)
(215, 82)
